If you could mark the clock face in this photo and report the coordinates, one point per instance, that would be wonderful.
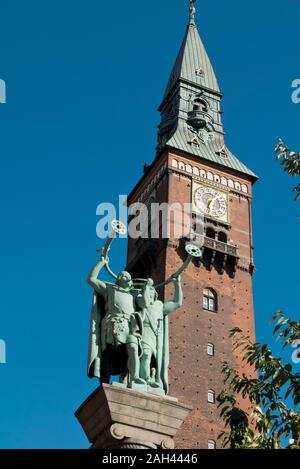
(210, 202)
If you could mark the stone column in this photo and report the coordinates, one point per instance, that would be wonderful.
(117, 417)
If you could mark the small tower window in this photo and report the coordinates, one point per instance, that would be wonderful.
(210, 350)
(211, 396)
(223, 152)
(211, 444)
(194, 142)
(200, 72)
(244, 188)
(200, 105)
(209, 300)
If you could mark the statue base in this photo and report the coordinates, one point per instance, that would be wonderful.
(145, 388)
(115, 417)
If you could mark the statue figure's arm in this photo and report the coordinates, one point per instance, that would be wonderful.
(93, 280)
(171, 306)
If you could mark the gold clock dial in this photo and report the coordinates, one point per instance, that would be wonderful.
(210, 202)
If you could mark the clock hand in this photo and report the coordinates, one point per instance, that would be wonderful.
(209, 202)
(212, 202)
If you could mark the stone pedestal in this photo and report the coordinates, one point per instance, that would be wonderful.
(116, 417)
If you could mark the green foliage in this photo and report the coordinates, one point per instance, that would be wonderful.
(274, 386)
(290, 161)
(274, 392)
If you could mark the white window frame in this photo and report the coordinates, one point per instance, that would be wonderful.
(211, 304)
(210, 350)
(211, 396)
(209, 300)
(211, 444)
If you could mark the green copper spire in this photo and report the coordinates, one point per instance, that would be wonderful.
(191, 115)
(192, 63)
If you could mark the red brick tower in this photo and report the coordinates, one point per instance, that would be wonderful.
(193, 164)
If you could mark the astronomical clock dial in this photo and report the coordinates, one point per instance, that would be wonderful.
(210, 202)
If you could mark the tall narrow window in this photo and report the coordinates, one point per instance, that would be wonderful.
(211, 444)
(209, 300)
(210, 350)
(211, 396)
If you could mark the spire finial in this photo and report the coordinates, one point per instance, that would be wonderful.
(192, 11)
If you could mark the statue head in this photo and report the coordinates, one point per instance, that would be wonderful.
(153, 295)
(124, 280)
(148, 295)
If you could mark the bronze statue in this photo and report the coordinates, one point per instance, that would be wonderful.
(155, 336)
(129, 334)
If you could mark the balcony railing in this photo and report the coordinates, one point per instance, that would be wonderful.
(220, 246)
(216, 245)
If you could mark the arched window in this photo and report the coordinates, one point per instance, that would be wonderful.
(244, 188)
(211, 397)
(222, 237)
(200, 105)
(211, 444)
(209, 300)
(210, 233)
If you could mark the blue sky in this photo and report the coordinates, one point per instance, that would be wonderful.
(84, 80)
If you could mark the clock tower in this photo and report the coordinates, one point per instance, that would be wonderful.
(194, 165)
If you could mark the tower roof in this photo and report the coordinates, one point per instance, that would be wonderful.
(216, 152)
(192, 63)
(191, 115)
